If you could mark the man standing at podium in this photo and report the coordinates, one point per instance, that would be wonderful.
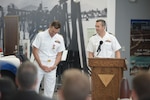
(103, 44)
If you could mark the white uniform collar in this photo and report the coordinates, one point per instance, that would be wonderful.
(106, 33)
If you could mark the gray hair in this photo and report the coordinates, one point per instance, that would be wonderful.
(27, 75)
(75, 85)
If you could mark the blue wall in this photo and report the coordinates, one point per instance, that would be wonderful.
(125, 11)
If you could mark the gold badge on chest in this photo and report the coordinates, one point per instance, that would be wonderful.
(48, 60)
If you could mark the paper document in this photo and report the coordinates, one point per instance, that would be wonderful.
(64, 55)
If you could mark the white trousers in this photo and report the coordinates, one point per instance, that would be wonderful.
(49, 81)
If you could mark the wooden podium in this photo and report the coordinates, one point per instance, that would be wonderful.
(107, 74)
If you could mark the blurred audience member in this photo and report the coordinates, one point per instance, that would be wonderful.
(75, 86)
(26, 80)
(7, 89)
(141, 88)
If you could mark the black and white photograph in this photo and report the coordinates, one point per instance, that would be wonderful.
(76, 17)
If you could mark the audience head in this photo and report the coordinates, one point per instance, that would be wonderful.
(7, 89)
(141, 88)
(75, 85)
(26, 76)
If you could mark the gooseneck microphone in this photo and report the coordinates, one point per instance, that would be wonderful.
(99, 47)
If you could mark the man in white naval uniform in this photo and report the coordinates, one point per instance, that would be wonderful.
(47, 50)
(103, 44)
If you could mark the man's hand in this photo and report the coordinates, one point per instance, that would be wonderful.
(45, 68)
(51, 68)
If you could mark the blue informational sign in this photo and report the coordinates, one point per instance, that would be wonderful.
(140, 44)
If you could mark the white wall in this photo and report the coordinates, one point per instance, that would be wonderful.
(125, 11)
(111, 15)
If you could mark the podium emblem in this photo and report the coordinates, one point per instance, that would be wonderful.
(106, 78)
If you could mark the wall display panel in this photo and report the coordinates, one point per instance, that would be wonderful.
(139, 45)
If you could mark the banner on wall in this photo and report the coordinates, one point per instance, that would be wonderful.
(139, 45)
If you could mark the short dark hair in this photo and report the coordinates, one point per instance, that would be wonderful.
(102, 21)
(141, 85)
(75, 85)
(7, 88)
(56, 24)
(27, 75)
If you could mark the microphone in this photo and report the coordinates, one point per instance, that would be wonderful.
(99, 47)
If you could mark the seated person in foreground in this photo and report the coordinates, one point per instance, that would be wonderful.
(75, 86)
(141, 88)
(26, 80)
(7, 88)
